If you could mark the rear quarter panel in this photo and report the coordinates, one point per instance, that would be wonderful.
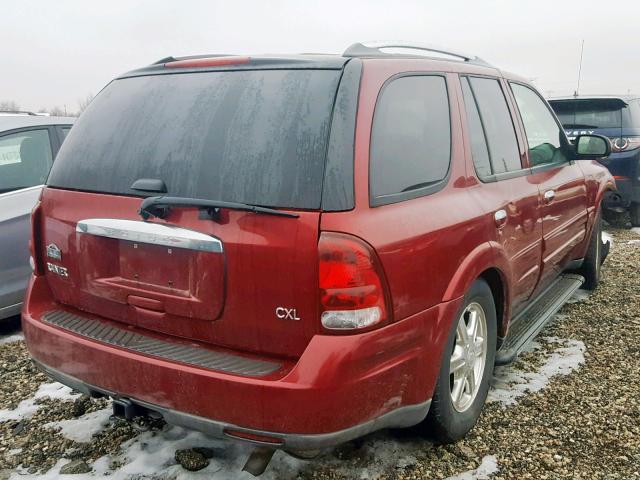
(424, 244)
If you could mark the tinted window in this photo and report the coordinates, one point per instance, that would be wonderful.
(593, 113)
(257, 137)
(25, 159)
(543, 134)
(411, 136)
(479, 149)
(497, 123)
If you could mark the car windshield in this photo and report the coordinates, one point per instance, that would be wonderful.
(252, 136)
(591, 113)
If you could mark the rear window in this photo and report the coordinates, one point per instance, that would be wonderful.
(592, 113)
(257, 137)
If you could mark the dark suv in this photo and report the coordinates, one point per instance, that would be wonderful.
(295, 251)
(616, 117)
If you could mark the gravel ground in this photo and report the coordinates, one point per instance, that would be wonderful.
(566, 409)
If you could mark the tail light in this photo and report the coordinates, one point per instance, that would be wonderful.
(623, 144)
(35, 244)
(353, 290)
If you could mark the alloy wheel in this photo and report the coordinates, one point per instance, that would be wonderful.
(468, 358)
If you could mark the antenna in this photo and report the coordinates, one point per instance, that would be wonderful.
(579, 70)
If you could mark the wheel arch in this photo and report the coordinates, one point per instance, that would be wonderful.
(496, 282)
(488, 262)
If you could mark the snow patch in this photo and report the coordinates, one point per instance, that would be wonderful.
(16, 337)
(636, 230)
(510, 383)
(26, 408)
(151, 455)
(579, 295)
(606, 237)
(633, 242)
(487, 467)
(83, 428)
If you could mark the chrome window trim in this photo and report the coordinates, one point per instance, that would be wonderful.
(150, 233)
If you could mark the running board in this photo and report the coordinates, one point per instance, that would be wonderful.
(535, 316)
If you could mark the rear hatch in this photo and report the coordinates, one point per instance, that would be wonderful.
(227, 277)
(610, 116)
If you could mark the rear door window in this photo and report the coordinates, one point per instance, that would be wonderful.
(252, 136)
(410, 140)
(497, 124)
(25, 159)
(544, 137)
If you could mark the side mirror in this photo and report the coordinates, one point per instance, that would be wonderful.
(590, 147)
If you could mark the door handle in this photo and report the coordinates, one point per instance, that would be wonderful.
(500, 218)
(549, 195)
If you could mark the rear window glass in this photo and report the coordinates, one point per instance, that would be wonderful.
(257, 137)
(592, 113)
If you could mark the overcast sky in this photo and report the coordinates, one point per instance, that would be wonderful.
(54, 53)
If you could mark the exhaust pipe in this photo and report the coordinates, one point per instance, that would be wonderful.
(259, 460)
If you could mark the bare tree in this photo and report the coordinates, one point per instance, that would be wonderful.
(9, 106)
(84, 103)
(58, 111)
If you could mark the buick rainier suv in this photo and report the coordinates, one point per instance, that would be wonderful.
(296, 251)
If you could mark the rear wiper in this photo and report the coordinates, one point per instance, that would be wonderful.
(159, 207)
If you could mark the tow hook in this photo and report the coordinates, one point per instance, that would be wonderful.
(259, 460)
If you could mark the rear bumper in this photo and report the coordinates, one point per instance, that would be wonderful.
(340, 388)
(400, 417)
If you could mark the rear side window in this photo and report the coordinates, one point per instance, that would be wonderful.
(25, 159)
(497, 124)
(410, 139)
(544, 137)
(252, 136)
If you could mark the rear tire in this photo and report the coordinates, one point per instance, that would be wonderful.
(593, 260)
(634, 213)
(454, 409)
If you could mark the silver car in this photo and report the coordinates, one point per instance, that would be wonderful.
(28, 145)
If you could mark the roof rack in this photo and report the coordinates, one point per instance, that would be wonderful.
(373, 49)
(18, 112)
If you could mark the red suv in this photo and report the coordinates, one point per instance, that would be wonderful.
(298, 250)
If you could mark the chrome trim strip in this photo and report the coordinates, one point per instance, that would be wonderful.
(151, 233)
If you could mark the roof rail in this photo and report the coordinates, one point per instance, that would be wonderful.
(18, 112)
(373, 49)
